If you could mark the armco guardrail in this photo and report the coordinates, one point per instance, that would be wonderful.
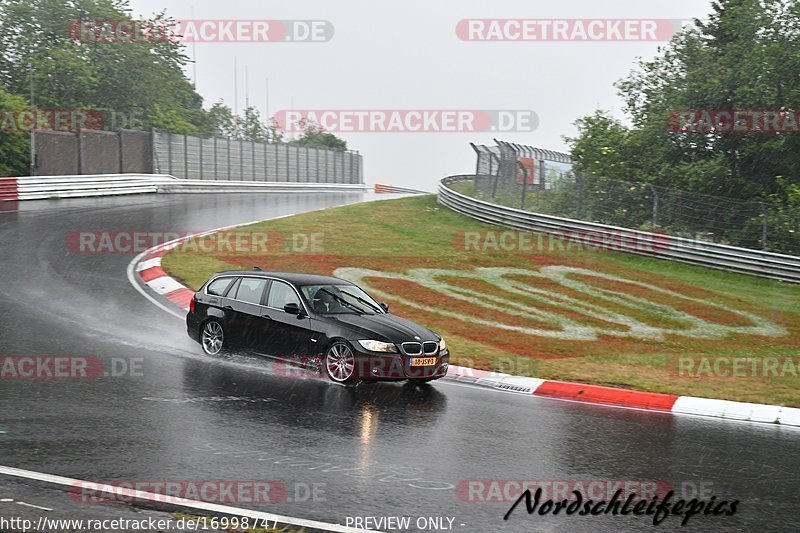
(45, 187)
(708, 254)
(381, 188)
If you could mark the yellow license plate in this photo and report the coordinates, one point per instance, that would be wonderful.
(423, 361)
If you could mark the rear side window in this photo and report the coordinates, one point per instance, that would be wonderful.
(219, 286)
(250, 290)
(281, 294)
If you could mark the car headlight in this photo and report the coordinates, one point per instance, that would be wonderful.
(378, 346)
(442, 344)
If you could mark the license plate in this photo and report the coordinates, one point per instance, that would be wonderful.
(423, 361)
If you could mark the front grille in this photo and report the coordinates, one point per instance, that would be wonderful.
(431, 347)
(412, 348)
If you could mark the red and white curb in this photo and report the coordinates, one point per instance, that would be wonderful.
(650, 401)
(147, 267)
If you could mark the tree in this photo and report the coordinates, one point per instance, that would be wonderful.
(14, 146)
(71, 72)
(746, 56)
(315, 135)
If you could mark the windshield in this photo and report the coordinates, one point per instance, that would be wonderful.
(339, 299)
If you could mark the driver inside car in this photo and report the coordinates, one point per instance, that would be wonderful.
(324, 301)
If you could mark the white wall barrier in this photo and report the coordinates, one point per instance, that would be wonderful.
(45, 187)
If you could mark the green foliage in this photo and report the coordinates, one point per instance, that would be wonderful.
(315, 135)
(141, 78)
(745, 57)
(247, 128)
(14, 147)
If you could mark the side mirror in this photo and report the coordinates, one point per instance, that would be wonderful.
(294, 309)
(385, 307)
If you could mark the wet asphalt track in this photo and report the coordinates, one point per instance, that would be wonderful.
(379, 450)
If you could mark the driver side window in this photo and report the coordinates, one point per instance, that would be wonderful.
(280, 294)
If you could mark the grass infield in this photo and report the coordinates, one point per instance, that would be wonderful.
(532, 304)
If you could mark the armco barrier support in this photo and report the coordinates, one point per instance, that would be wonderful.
(44, 187)
(743, 260)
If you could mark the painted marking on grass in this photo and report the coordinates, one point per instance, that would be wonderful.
(178, 502)
(605, 304)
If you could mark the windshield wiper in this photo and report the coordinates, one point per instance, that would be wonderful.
(362, 300)
(342, 300)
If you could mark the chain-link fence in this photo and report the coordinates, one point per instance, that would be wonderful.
(185, 156)
(543, 181)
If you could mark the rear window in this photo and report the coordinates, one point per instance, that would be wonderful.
(219, 286)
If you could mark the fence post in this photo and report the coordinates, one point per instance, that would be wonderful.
(185, 156)
(241, 160)
(120, 152)
(228, 157)
(169, 153)
(764, 227)
(215, 159)
(253, 157)
(520, 166)
(153, 156)
(655, 205)
(579, 199)
(200, 139)
(288, 156)
(80, 151)
(266, 162)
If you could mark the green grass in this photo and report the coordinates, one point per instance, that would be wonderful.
(416, 232)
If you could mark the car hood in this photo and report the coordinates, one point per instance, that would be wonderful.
(385, 327)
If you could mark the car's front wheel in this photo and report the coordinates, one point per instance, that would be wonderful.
(340, 363)
(213, 338)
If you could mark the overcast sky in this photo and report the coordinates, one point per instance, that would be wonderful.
(407, 55)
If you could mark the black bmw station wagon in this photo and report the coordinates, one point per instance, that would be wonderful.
(303, 317)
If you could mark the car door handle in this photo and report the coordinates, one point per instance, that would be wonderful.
(267, 317)
(228, 307)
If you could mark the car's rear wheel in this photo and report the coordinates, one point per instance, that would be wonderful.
(340, 363)
(212, 338)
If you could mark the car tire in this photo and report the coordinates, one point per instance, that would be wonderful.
(212, 338)
(340, 363)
